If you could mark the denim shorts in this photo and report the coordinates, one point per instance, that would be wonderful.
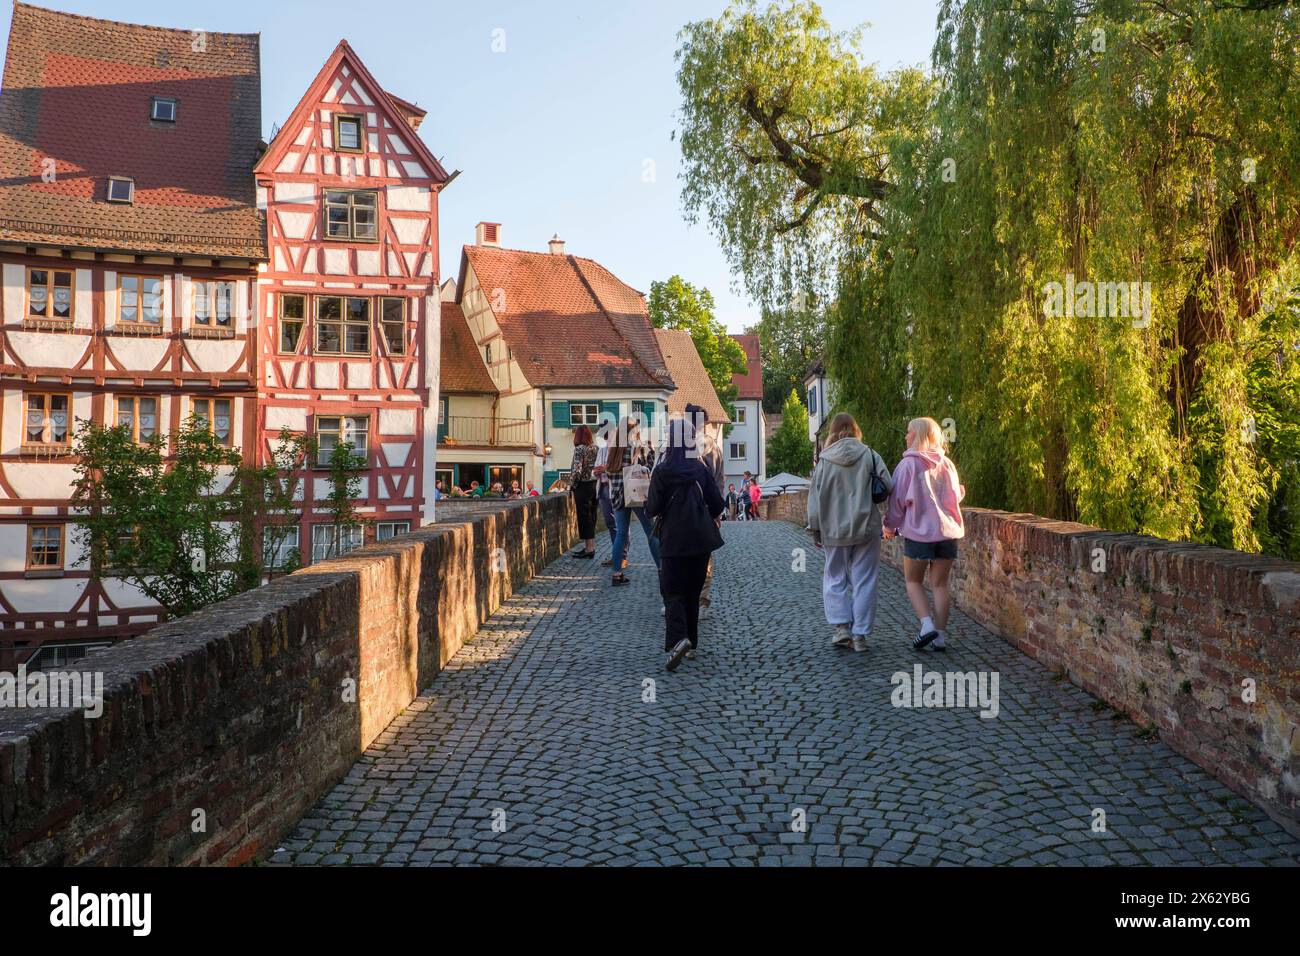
(945, 550)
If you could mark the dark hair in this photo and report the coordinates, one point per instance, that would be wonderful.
(582, 435)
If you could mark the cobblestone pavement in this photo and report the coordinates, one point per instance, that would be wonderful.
(535, 746)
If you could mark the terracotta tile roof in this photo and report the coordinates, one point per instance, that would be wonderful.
(78, 91)
(460, 363)
(749, 385)
(569, 321)
(693, 384)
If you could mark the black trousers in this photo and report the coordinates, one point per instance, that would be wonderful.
(680, 582)
(584, 498)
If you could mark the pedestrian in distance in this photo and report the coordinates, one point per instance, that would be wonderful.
(582, 482)
(844, 516)
(684, 504)
(925, 508)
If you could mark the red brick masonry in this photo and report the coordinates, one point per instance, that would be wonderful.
(1168, 633)
(240, 710)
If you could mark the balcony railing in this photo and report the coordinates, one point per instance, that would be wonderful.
(466, 430)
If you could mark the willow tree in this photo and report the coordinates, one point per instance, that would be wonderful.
(1057, 142)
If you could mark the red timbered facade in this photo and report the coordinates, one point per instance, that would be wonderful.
(348, 303)
(129, 249)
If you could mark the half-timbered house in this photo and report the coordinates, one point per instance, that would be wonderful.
(348, 303)
(129, 244)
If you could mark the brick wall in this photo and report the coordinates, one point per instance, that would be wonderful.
(1164, 631)
(244, 710)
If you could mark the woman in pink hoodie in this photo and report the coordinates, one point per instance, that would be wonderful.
(925, 508)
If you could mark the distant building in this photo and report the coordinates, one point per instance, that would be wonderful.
(694, 387)
(819, 396)
(745, 446)
(566, 343)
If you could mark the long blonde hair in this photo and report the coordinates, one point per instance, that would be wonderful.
(929, 436)
(843, 425)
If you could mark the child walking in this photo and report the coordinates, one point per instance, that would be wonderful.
(843, 518)
(925, 508)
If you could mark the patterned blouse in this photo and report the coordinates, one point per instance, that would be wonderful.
(584, 459)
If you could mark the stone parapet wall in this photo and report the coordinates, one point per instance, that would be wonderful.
(1178, 636)
(222, 728)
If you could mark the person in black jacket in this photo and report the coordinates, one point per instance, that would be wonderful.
(685, 503)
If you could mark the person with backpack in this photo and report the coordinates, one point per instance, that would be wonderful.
(684, 504)
(625, 458)
(849, 487)
(925, 508)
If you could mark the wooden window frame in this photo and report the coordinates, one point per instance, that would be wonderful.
(351, 206)
(49, 287)
(343, 322)
(211, 402)
(293, 534)
(400, 323)
(212, 286)
(135, 414)
(47, 428)
(139, 322)
(63, 547)
(281, 320)
(351, 534)
(361, 132)
(130, 192)
(362, 450)
(589, 424)
(393, 524)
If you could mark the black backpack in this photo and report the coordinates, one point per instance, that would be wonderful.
(689, 516)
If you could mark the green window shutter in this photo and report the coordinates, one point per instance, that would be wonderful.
(560, 414)
(648, 408)
(609, 408)
(549, 477)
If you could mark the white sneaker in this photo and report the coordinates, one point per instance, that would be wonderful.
(690, 655)
(939, 644)
(841, 635)
(859, 643)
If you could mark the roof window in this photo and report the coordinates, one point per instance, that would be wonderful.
(163, 109)
(121, 189)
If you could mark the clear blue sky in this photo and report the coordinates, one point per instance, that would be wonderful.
(553, 134)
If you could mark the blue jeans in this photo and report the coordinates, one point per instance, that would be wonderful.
(622, 522)
(607, 509)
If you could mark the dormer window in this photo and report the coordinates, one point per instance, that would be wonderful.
(121, 189)
(163, 109)
(347, 133)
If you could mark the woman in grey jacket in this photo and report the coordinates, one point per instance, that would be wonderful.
(844, 520)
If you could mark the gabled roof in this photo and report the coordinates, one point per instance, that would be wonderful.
(749, 385)
(694, 387)
(461, 366)
(78, 91)
(384, 102)
(568, 321)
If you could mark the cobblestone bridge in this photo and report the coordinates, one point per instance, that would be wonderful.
(543, 742)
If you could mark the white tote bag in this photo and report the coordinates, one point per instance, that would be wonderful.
(636, 486)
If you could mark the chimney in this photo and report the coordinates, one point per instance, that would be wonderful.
(487, 234)
(557, 245)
